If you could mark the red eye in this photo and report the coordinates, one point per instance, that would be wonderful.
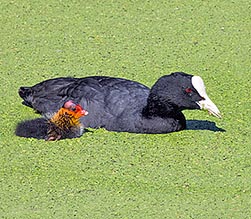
(188, 90)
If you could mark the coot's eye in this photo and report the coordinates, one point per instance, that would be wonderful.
(188, 90)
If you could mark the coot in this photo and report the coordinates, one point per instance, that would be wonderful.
(122, 105)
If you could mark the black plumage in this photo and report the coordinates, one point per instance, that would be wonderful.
(34, 128)
(118, 104)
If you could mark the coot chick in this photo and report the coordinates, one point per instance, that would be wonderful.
(65, 123)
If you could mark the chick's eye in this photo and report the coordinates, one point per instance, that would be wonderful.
(73, 108)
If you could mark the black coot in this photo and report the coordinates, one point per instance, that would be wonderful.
(123, 105)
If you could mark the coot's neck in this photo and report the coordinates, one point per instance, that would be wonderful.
(159, 116)
(157, 107)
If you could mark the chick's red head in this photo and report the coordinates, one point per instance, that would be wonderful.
(75, 109)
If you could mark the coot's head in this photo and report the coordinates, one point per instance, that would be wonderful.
(181, 91)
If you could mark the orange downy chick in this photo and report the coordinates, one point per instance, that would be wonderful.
(66, 122)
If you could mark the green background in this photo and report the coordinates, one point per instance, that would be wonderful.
(188, 174)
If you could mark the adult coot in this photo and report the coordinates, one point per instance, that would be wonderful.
(123, 105)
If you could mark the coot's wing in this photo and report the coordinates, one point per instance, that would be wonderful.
(45, 96)
(97, 94)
